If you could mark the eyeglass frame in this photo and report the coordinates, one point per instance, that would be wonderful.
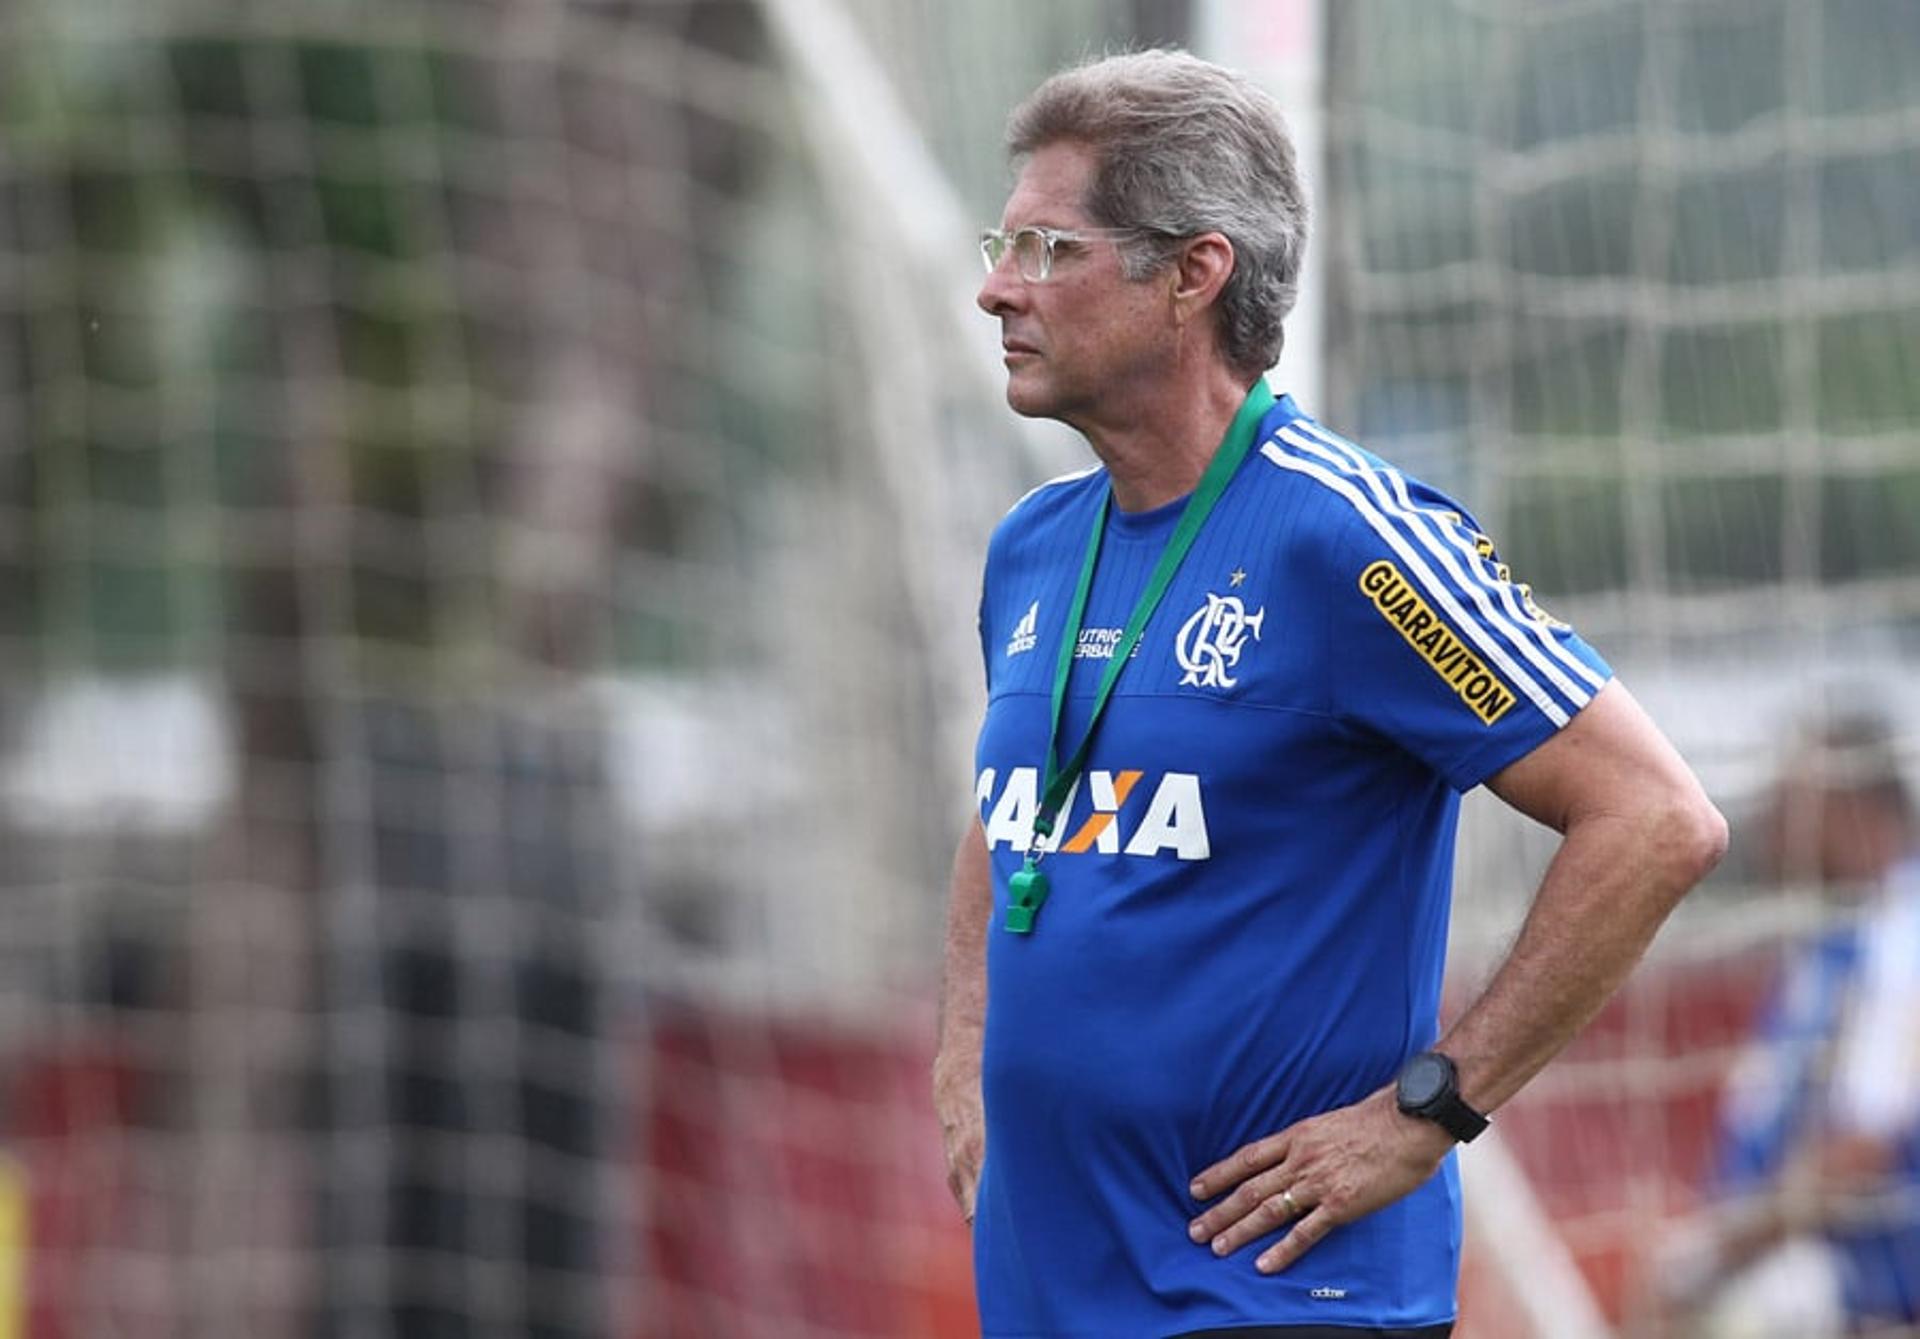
(1049, 238)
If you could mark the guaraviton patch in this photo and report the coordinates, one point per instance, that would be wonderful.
(1393, 596)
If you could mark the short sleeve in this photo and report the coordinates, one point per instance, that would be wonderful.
(980, 626)
(1436, 646)
(988, 609)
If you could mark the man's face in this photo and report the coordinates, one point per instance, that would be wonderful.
(1087, 333)
(1834, 836)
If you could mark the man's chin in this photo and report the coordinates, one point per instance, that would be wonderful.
(1028, 400)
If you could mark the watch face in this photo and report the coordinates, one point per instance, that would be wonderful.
(1423, 1079)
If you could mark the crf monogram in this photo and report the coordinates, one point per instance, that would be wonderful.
(1210, 642)
(1173, 817)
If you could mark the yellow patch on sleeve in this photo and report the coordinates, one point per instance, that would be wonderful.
(1393, 597)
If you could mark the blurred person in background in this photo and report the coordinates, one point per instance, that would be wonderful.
(1197, 933)
(1816, 1229)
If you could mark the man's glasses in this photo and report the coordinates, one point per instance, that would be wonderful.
(1032, 247)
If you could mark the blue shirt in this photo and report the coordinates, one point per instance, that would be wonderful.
(1251, 881)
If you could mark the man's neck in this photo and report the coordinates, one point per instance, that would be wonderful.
(1156, 446)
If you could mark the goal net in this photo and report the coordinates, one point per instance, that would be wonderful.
(1639, 280)
(484, 629)
(491, 501)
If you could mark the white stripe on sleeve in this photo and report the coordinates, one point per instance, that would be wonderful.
(1474, 630)
(1522, 627)
(1463, 585)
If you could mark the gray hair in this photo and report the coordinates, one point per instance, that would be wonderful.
(1184, 147)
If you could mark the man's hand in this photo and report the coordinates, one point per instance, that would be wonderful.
(963, 1129)
(1317, 1174)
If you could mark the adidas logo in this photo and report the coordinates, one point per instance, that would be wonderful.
(1025, 632)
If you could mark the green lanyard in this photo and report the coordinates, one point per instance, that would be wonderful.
(1027, 889)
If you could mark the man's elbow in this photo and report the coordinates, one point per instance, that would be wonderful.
(1693, 837)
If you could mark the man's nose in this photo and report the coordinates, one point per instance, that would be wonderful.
(1003, 288)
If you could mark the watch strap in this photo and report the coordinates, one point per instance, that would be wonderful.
(1447, 1108)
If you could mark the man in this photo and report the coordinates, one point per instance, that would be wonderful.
(1194, 967)
(1816, 1231)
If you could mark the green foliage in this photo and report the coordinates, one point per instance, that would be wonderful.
(170, 334)
(1867, 375)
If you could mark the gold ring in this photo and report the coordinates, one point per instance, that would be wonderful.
(1286, 1198)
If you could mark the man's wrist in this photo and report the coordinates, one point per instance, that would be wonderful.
(1428, 1088)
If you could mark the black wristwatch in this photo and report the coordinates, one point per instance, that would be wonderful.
(1429, 1087)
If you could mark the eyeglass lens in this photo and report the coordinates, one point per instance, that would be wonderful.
(1032, 255)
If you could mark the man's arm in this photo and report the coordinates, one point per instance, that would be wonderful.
(963, 1014)
(1835, 1180)
(1638, 833)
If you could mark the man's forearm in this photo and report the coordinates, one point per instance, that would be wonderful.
(963, 988)
(1609, 888)
(1835, 1182)
(1636, 839)
(963, 1015)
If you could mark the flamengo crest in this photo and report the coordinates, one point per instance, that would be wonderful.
(1211, 640)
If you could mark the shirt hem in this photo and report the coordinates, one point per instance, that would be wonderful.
(1304, 1329)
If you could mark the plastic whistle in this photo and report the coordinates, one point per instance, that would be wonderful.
(1026, 890)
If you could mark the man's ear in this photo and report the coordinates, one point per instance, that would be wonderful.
(1200, 270)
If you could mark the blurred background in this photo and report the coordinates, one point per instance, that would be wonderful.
(491, 504)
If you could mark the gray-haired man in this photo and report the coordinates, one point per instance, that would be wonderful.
(1238, 676)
